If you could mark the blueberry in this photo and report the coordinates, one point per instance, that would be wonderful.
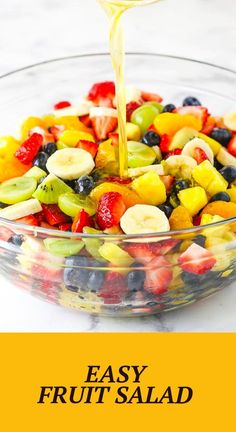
(16, 239)
(190, 278)
(169, 108)
(200, 240)
(151, 138)
(40, 160)
(2, 205)
(180, 185)
(229, 173)
(167, 209)
(75, 275)
(191, 101)
(222, 135)
(220, 196)
(95, 281)
(84, 185)
(50, 148)
(135, 280)
(96, 175)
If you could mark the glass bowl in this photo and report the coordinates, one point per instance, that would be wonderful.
(83, 280)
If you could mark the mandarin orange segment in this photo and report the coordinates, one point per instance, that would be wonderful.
(180, 218)
(10, 167)
(72, 122)
(221, 208)
(30, 123)
(170, 123)
(130, 197)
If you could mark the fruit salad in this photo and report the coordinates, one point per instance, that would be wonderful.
(121, 239)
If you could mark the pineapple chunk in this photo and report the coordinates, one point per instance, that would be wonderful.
(213, 144)
(150, 188)
(209, 178)
(193, 199)
(232, 193)
(115, 255)
(216, 231)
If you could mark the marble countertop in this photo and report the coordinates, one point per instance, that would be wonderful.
(34, 31)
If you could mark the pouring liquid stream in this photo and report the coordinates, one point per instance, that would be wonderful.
(115, 10)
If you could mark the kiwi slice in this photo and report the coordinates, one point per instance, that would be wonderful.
(49, 191)
(63, 247)
(71, 204)
(36, 172)
(17, 189)
(92, 245)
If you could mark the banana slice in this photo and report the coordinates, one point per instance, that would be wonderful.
(136, 172)
(103, 112)
(20, 210)
(132, 93)
(144, 219)
(83, 108)
(179, 166)
(225, 158)
(190, 147)
(70, 163)
(230, 120)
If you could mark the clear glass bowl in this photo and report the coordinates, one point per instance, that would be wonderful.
(86, 282)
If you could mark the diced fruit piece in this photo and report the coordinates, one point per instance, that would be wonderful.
(113, 288)
(232, 194)
(106, 154)
(130, 197)
(140, 155)
(82, 220)
(111, 207)
(92, 244)
(133, 132)
(144, 219)
(230, 120)
(28, 150)
(142, 253)
(180, 218)
(71, 204)
(209, 178)
(213, 144)
(62, 104)
(118, 180)
(70, 122)
(196, 111)
(209, 125)
(171, 123)
(197, 260)
(179, 166)
(31, 123)
(136, 172)
(63, 247)
(182, 137)
(10, 166)
(85, 119)
(168, 182)
(193, 199)
(144, 116)
(158, 276)
(151, 97)
(17, 190)
(115, 255)
(165, 144)
(232, 146)
(102, 94)
(224, 209)
(54, 215)
(222, 135)
(104, 121)
(49, 191)
(70, 163)
(65, 227)
(225, 158)
(28, 220)
(150, 188)
(79, 110)
(88, 146)
(199, 150)
(20, 210)
(130, 108)
(71, 138)
(214, 231)
(36, 173)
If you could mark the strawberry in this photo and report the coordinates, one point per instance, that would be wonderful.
(197, 260)
(199, 155)
(165, 143)
(174, 152)
(61, 105)
(164, 247)
(28, 150)
(130, 108)
(103, 125)
(158, 276)
(197, 220)
(168, 181)
(142, 253)
(151, 97)
(152, 128)
(89, 146)
(115, 138)
(118, 180)
(86, 120)
(29, 220)
(65, 227)
(111, 208)
(196, 111)
(209, 126)
(81, 221)
(232, 146)
(102, 94)
(56, 131)
(53, 215)
(113, 288)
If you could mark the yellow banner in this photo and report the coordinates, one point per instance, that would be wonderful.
(111, 382)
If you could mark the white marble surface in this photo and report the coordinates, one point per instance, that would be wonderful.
(32, 31)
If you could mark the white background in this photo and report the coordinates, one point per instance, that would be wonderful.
(35, 30)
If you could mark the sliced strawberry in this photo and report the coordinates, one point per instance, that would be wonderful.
(89, 146)
(151, 97)
(173, 153)
(196, 111)
(165, 144)
(158, 276)
(86, 120)
(130, 108)
(111, 208)
(65, 227)
(142, 253)
(209, 125)
(53, 215)
(197, 260)
(40, 217)
(28, 150)
(168, 181)
(102, 94)
(232, 146)
(29, 220)
(103, 125)
(81, 221)
(113, 288)
(115, 138)
(61, 105)
(199, 155)
(56, 131)
(197, 220)
(164, 247)
(118, 180)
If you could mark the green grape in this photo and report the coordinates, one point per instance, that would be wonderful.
(157, 105)
(144, 116)
(140, 155)
(71, 204)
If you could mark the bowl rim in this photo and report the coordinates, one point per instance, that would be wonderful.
(65, 234)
